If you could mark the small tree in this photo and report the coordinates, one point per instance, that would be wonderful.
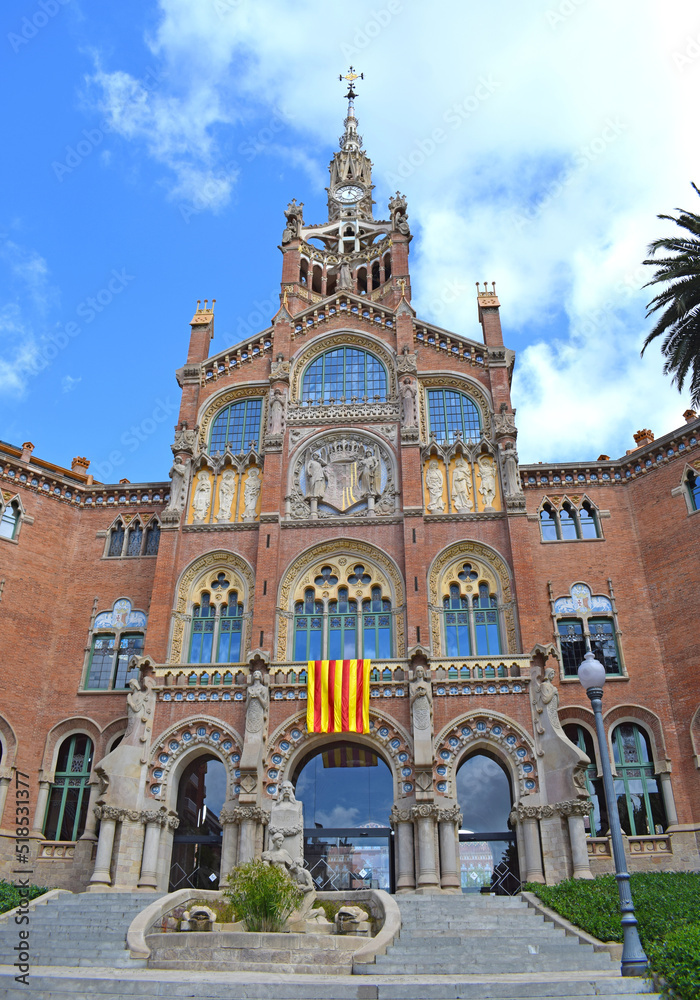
(262, 895)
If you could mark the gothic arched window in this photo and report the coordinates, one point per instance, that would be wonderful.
(471, 615)
(9, 522)
(567, 522)
(135, 539)
(237, 426)
(216, 634)
(588, 520)
(548, 524)
(451, 413)
(345, 373)
(637, 790)
(152, 539)
(66, 811)
(116, 539)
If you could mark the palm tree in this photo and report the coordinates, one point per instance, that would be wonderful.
(679, 323)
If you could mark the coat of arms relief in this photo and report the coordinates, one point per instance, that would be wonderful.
(341, 475)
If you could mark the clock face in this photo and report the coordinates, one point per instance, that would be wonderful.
(349, 193)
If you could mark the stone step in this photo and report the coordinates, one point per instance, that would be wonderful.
(215, 986)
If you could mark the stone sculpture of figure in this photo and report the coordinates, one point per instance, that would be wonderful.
(276, 412)
(510, 469)
(488, 480)
(421, 701)
(316, 476)
(178, 475)
(547, 699)
(344, 279)
(140, 705)
(286, 792)
(302, 876)
(369, 473)
(462, 486)
(202, 496)
(251, 492)
(257, 705)
(408, 403)
(277, 856)
(434, 481)
(295, 220)
(287, 818)
(399, 217)
(227, 489)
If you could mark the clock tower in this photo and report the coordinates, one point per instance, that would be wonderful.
(350, 191)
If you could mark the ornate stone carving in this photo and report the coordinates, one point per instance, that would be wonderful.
(179, 474)
(275, 424)
(140, 705)
(487, 471)
(280, 369)
(220, 557)
(504, 423)
(435, 481)
(286, 819)
(399, 216)
(158, 816)
(227, 491)
(425, 811)
(407, 363)
(257, 706)
(251, 493)
(185, 439)
(398, 815)
(451, 815)
(421, 701)
(202, 496)
(462, 485)
(408, 403)
(294, 214)
(546, 697)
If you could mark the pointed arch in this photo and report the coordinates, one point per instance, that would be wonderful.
(178, 745)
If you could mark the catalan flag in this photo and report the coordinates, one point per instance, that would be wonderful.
(338, 696)
(349, 757)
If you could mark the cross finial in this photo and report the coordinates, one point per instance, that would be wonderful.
(351, 76)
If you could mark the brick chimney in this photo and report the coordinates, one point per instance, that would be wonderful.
(690, 416)
(27, 449)
(80, 465)
(643, 437)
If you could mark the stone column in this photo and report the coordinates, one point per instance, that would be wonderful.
(450, 875)
(165, 853)
(91, 818)
(153, 820)
(101, 877)
(529, 816)
(405, 864)
(667, 794)
(249, 818)
(579, 845)
(40, 810)
(229, 842)
(424, 819)
(4, 785)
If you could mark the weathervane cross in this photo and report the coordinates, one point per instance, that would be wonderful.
(351, 76)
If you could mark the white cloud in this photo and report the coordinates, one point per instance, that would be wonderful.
(68, 383)
(29, 297)
(576, 123)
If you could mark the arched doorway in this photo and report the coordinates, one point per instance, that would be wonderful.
(487, 848)
(347, 791)
(196, 857)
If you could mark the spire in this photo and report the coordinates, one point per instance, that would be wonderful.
(350, 140)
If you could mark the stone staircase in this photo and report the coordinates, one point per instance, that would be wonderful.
(86, 929)
(450, 947)
(474, 934)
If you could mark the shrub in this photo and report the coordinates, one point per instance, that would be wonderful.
(10, 895)
(662, 900)
(262, 895)
(677, 960)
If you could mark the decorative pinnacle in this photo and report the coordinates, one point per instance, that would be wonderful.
(351, 76)
(350, 139)
(486, 289)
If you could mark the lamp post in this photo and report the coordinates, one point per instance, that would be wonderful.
(591, 673)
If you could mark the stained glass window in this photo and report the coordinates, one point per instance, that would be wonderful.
(340, 630)
(345, 373)
(451, 413)
(66, 811)
(457, 623)
(639, 799)
(236, 425)
(472, 625)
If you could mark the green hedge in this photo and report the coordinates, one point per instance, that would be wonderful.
(10, 896)
(667, 905)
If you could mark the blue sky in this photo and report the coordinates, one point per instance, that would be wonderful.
(153, 146)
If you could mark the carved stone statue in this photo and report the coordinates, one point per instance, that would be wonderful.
(227, 489)
(399, 216)
(510, 469)
(185, 439)
(316, 476)
(344, 279)
(277, 856)
(369, 473)
(287, 819)
(488, 480)
(202, 496)
(178, 475)
(462, 486)
(140, 704)
(276, 420)
(408, 403)
(295, 220)
(421, 702)
(251, 492)
(257, 705)
(434, 481)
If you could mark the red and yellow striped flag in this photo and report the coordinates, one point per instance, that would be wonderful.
(338, 696)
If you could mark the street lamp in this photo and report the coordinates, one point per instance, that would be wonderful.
(591, 673)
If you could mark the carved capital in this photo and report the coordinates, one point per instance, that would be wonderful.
(399, 815)
(450, 815)
(158, 816)
(425, 811)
